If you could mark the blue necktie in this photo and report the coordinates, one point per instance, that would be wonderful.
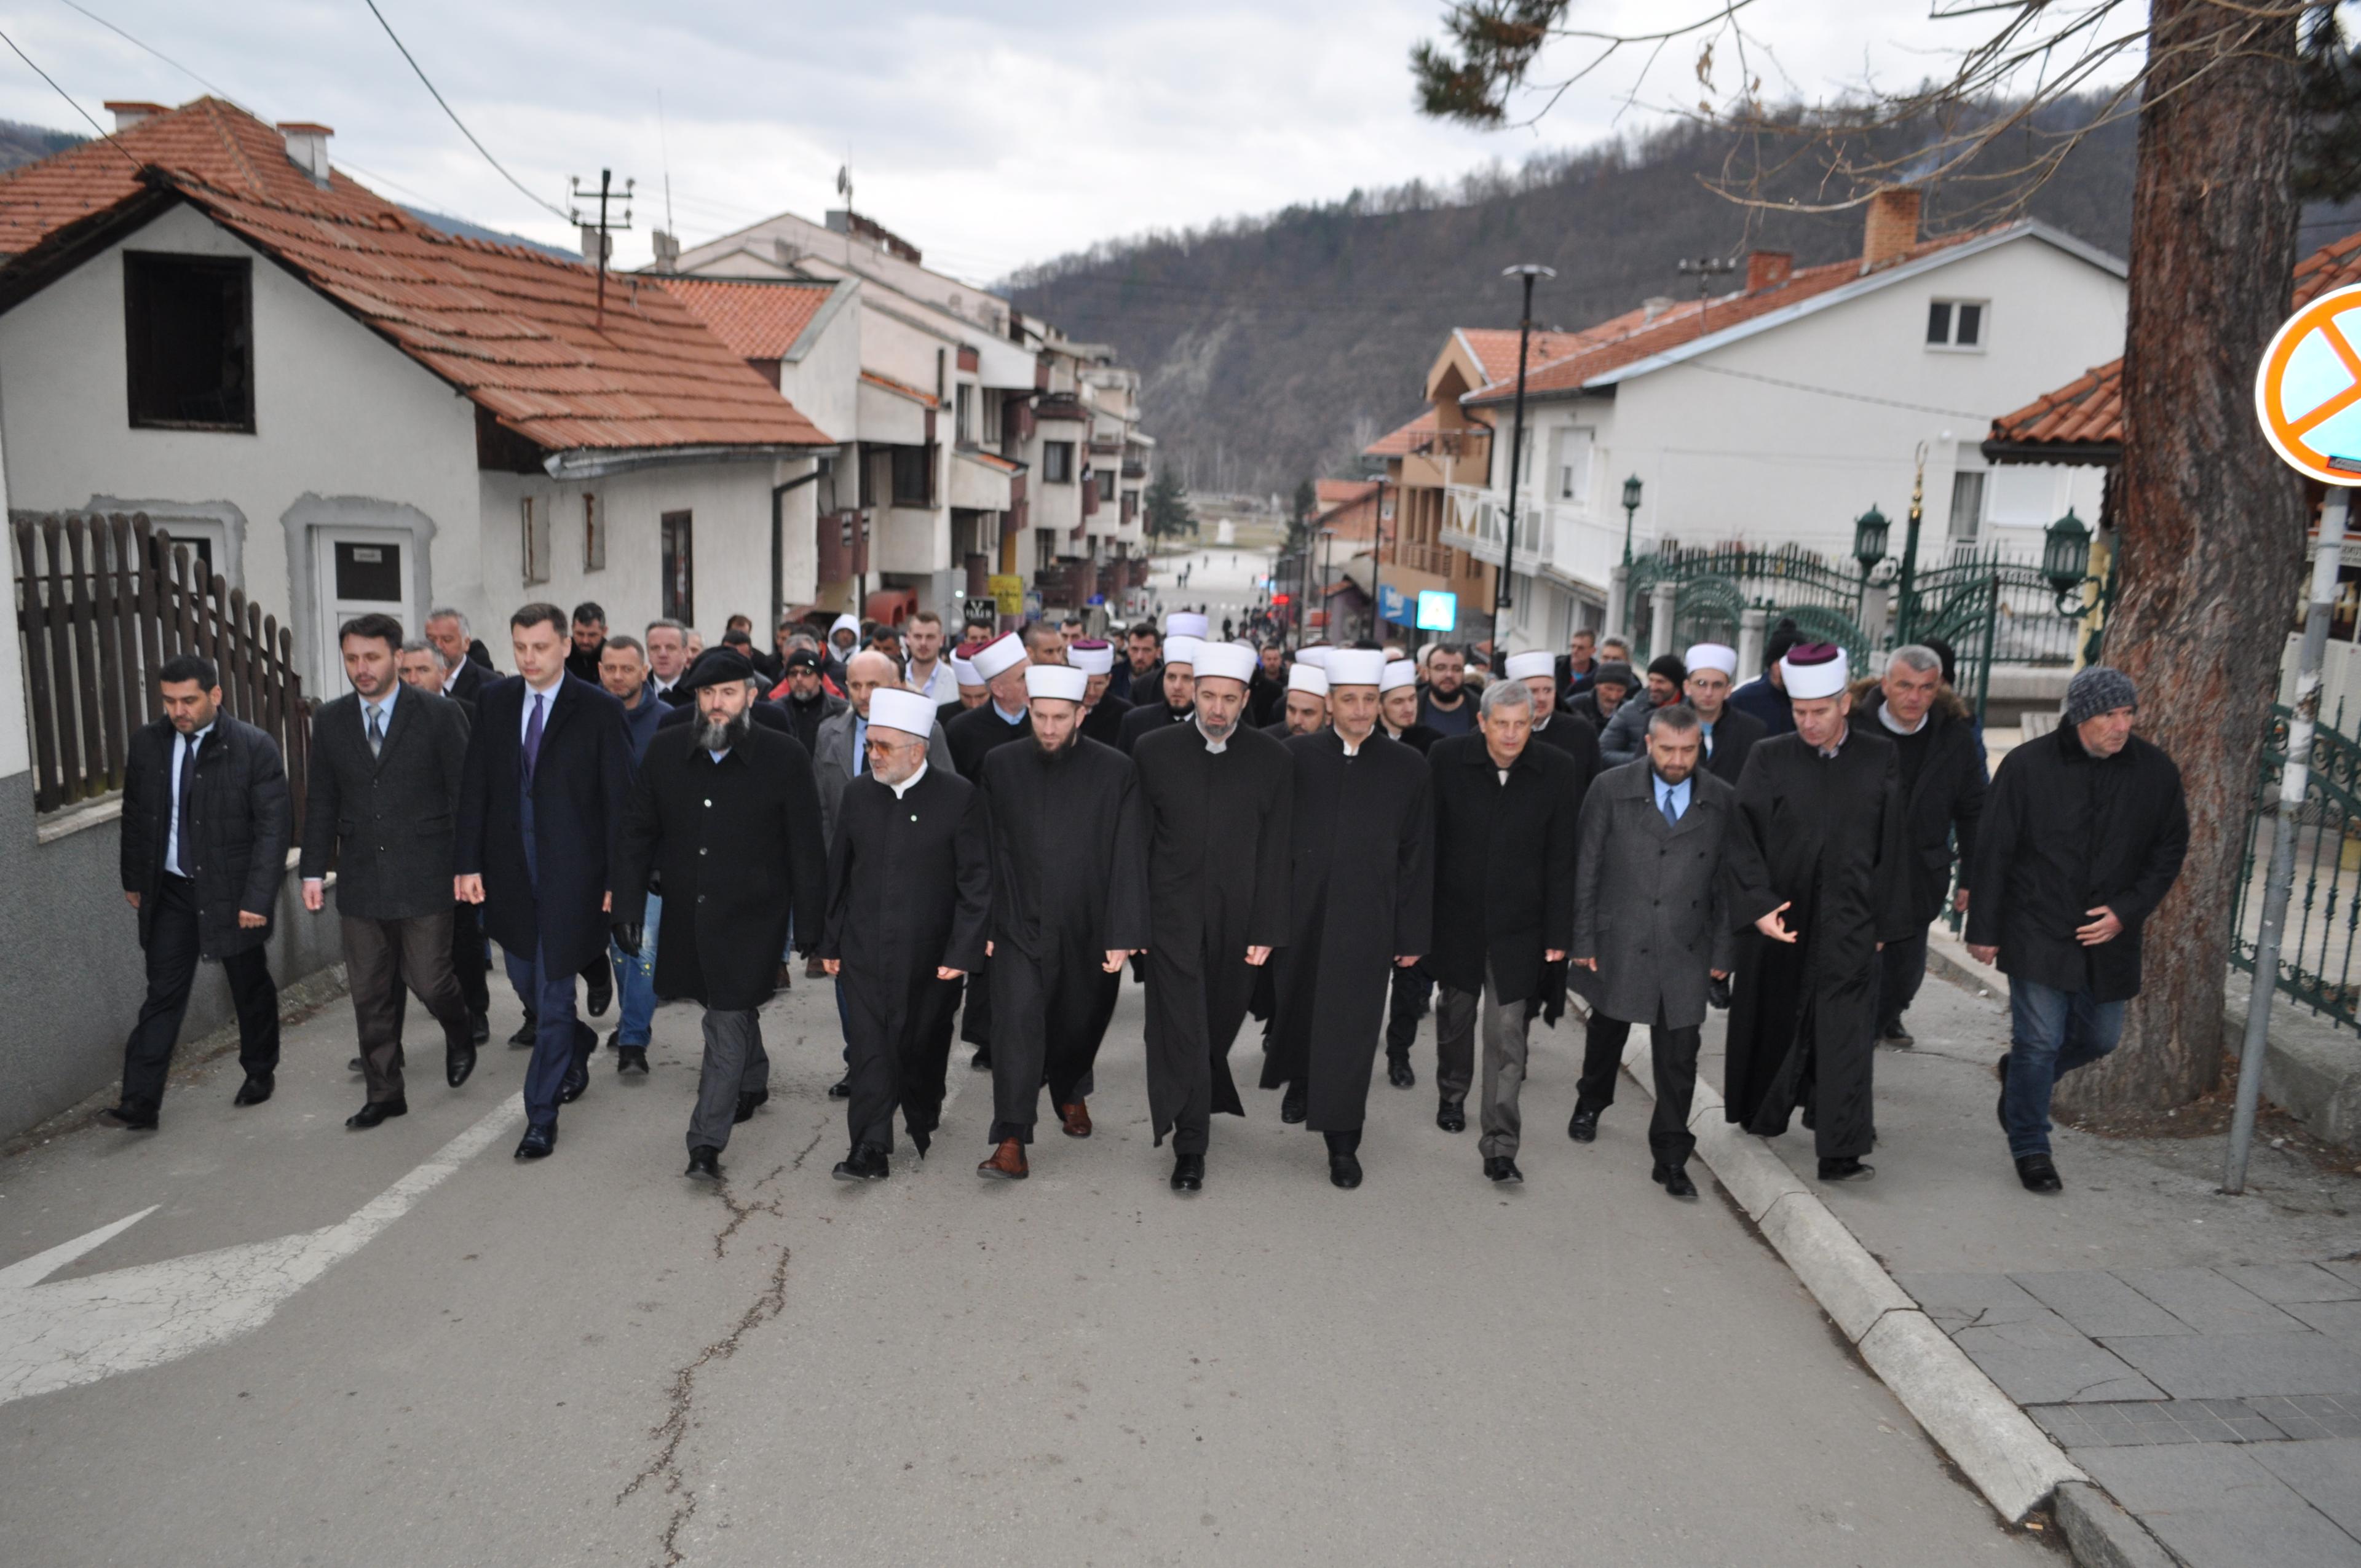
(1670, 815)
(533, 739)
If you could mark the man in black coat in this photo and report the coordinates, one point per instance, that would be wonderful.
(725, 817)
(1361, 906)
(1412, 988)
(470, 955)
(1179, 685)
(1398, 707)
(1941, 756)
(1729, 734)
(1597, 704)
(467, 664)
(1506, 820)
(204, 831)
(1069, 903)
(1102, 711)
(589, 642)
(1568, 733)
(1305, 708)
(2082, 838)
(549, 769)
(1217, 797)
(384, 788)
(972, 736)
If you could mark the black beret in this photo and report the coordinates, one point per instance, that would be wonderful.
(717, 666)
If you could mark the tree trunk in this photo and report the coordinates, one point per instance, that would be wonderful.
(2213, 524)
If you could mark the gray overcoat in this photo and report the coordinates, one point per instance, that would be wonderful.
(1648, 897)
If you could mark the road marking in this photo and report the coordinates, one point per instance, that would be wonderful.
(80, 1330)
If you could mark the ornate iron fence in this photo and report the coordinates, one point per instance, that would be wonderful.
(2316, 950)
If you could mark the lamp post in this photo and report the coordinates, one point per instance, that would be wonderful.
(1378, 562)
(1869, 530)
(1502, 598)
(1910, 545)
(1630, 510)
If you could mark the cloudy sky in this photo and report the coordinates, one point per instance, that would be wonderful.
(991, 135)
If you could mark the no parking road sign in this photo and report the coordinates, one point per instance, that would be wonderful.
(2308, 392)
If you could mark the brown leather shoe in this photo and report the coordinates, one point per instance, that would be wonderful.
(1006, 1164)
(1077, 1119)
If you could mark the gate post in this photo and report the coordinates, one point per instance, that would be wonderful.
(1753, 630)
(1618, 601)
(1661, 604)
(1876, 603)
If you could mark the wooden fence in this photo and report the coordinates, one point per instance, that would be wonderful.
(101, 602)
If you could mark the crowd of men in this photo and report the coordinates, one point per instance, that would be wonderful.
(985, 837)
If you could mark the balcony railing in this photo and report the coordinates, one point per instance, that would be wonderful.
(1563, 539)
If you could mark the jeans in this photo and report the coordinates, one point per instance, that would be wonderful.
(635, 980)
(2051, 1033)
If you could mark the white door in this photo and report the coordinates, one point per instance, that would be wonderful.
(360, 570)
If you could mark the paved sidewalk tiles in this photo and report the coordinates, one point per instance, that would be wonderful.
(2216, 1506)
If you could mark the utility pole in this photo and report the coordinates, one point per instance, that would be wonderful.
(1378, 564)
(603, 227)
(1705, 269)
(1502, 598)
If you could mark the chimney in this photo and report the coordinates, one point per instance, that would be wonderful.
(128, 114)
(1653, 306)
(667, 247)
(1768, 268)
(597, 245)
(307, 148)
(1892, 228)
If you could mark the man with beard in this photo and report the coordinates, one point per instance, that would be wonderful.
(1727, 735)
(1143, 651)
(843, 747)
(1820, 842)
(999, 720)
(909, 895)
(725, 815)
(1267, 695)
(1625, 739)
(1068, 905)
(1179, 695)
(1306, 709)
(1218, 799)
(808, 704)
(1553, 726)
(1446, 709)
(1103, 712)
(1362, 901)
(1397, 707)
(972, 692)
(1598, 705)
(589, 638)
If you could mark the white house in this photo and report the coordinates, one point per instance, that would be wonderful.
(346, 409)
(1780, 412)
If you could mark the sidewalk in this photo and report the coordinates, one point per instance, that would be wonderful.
(2197, 1355)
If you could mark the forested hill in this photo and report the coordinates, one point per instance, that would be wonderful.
(1273, 348)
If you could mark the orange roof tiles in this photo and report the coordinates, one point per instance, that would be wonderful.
(758, 319)
(2084, 420)
(1410, 438)
(517, 330)
(900, 388)
(1496, 348)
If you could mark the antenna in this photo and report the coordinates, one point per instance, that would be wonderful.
(664, 156)
(1705, 269)
(844, 184)
(602, 246)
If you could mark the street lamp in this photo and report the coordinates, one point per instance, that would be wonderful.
(1377, 561)
(2066, 557)
(1630, 509)
(1501, 596)
(1869, 539)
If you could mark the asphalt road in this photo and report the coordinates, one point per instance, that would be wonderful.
(593, 1360)
(1221, 579)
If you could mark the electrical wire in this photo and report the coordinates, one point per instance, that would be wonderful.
(160, 54)
(555, 212)
(103, 135)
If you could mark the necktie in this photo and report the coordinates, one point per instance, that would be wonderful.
(180, 808)
(860, 748)
(376, 729)
(532, 738)
(1670, 815)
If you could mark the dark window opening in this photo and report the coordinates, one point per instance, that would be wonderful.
(1058, 462)
(189, 335)
(1938, 322)
(914, 473)
(368, 572)
(679, 568)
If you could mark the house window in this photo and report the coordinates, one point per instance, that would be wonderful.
(534, 526)
(1967, 506)
(1574, 463)
(188, 336)
(914, 471)
(1956, 323)
(965, 413)
(1058, 462)
(1044, 548)
(594, 535)
(1106, 478)
(679, 567)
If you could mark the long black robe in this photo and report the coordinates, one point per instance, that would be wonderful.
(1217, 872)
(974, 736)
(1147, 718)
(1822, 835)
(1103, 722)
(1361, 894)
(1068, 882)
(909, 889)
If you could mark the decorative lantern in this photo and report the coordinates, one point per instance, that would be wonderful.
(1632, 494)
(1869, 538)
(2066, 553)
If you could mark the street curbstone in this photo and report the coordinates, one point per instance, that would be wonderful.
(2011, 1461)
(2101, 1533)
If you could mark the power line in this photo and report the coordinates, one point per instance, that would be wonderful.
(553, 211)
(151, 49)
(1833, 393)
(103, 135)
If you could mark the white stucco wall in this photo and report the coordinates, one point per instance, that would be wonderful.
(15, 746)
(824, 385)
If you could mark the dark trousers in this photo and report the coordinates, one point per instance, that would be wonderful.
(173, 953)
(1411, 993)
(470, 964)
(1050, 1022)
(735, 1064)
(1901, 968)
(380, 957)
(560, 1040)
(1673, 1055)
(890, 1062)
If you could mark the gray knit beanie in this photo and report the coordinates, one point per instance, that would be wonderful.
(2098, 689)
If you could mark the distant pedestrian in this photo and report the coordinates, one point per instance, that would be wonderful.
(2082, 837)
(204, 835)
(1448, 707)
(1625, 739)
(1765, 696)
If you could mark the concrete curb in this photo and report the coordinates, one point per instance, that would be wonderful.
(2102, 1534)
(2012, 1462)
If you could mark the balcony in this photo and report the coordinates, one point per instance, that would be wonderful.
(1565, 542)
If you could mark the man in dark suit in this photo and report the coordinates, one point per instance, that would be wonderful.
(549, 765)
(1650, 929)
(467, 663)
(384, 783)
(1728, 734)
(589, 640)
(427, 666)
(205, 825)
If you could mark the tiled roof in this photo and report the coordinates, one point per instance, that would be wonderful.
(900, 388)
(516, 330)
(1407, 439)
(758, 319)
(2084, 418)
(1635, 335)
(1495, 348)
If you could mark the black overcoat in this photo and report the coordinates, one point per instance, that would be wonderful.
(1572, 734)
(975, 734)
(1734, 736)
(909, 890)
(1943, 805)
(578, 791)
(1069, 853)
(386, 823)
(240, 820)
(737, 846)
(1103, 722)
(1148, 718)
(1504, 865)
(1361, 893)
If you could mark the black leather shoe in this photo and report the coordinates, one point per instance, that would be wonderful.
(982, 1060)
(458, 1061)
(1398, 1073)
(602, 992)
(1895, 1036)
(571, 1087)
(525, 1031)
(864, 1164)
(704, 1160)
(1674, 1180)
(1584, 1128)
(631, 1058)
(128, 1116)
(2038, 1174)
(254, 1091)
(1292, 1105)
(480, 1028)
(1344, 1170)
(1451, 1117)
(354, 1065)
(840, 1089)
(747, 1102)
(1188, 1172)
(1846, 1169)
(1500, 1167)
(376, 1110)
(538, 1140)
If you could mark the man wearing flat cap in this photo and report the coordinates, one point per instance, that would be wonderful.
(725, 812)
(1818, 883)
(1597, 704)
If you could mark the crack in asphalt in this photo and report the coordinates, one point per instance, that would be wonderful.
(742, 1211)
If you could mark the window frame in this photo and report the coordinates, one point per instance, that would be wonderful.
(533, 558)
(138, 328)
(1954, 309)
(1057, 456)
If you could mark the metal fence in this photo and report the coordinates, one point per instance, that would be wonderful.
(2316, 949)
(101, 602)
